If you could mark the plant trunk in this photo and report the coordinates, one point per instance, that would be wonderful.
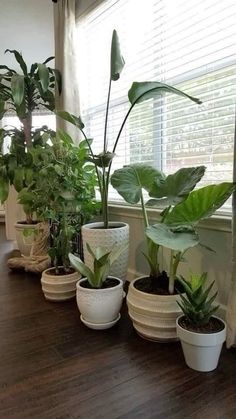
(27, 124)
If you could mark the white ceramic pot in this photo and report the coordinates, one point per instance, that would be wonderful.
(99, 307)
(154, 316)
(32, 237)
(59, 287)
(201, 350)
(116, 234)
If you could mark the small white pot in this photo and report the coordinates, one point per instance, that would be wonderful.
(95, 235)
(153, 316)
(59, 287)
(99, 306)
(201, 350)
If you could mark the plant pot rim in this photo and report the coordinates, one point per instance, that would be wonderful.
(66, 274)
(98, 225)
(23, 224)
(101, 290)
(151, 296)
(191, 333)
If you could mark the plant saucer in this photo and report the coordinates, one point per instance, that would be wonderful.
(100, 326)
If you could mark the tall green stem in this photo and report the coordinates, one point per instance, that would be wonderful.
(106, 118)
(174, 263)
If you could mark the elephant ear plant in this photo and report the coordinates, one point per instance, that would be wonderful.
(182, 209)
(139, 92)
(23, 93)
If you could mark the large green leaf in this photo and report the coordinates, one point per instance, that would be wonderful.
(79, 266)
(200, 204)
(164, 236)
(141, 91)
(19, 59)
(176, 187)
(117, 61)
(18, 88)
(43, 73)
(69, 117)
(130, 180)
(4, 189)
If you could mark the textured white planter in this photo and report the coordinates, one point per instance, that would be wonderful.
(25, 241)
(117, 234)
(201, 350)
(99, 306)
(59, 287)
(154, 316)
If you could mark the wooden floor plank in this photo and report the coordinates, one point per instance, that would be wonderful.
(52, 366)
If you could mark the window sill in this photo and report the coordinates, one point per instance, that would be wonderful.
(218, 222)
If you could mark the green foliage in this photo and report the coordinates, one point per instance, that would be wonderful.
(138, 93)
(198, 304)
(102, 261)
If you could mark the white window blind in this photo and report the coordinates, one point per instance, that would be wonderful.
(186, 43)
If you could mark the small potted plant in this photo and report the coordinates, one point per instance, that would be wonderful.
(201, 334)
(152, 298)
(99, 295)
(107, 233)
(23, 93)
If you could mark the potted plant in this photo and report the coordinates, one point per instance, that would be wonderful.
(152, 299)
(107, 232)
(99, 295)
(201, 334)
(24, 93)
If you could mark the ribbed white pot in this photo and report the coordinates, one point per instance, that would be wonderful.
(201, 350)
(59, 287)
(116, 234)
(153, 316)
(99, 306)
(25, 236)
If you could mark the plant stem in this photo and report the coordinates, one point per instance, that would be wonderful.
(145, 217)
(174, 263)
(105, 200)
(27, 126)
(106, 118)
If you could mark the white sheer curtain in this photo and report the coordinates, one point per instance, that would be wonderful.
(65, 61)
(231, 308)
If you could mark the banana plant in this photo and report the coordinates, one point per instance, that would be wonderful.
(139, 92)
(102, 261)
(23, 93)
(182, 208)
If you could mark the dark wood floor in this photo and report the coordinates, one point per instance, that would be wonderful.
(51, 366)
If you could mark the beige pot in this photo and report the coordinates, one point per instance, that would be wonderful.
(32, 238)
(116, 234)
(154, 316)
(59, 287)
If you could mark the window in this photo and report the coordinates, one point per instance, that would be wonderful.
(188, 44)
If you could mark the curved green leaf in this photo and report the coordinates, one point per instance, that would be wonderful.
(117, 61)
(164, 236)
(141, 91)
(19, 59)
(80, 267)
(130, 180)
(18, 180)
(43, 73)
(69, 117)
(176, 187)
(200, 204)
(49, 59)
(102, 159)
(58, 79)
(18, 89)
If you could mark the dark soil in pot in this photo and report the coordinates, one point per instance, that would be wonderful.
(213, 326)
(60, 271)
(158, 286)
(34, 222)
(109, 228)
(109, 283)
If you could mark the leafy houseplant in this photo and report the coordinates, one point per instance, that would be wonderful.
(201, 334)
(24, 93)
(182, 209)
(99, 296)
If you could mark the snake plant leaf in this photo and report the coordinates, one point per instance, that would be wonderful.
(131, 179)
(141, 91)
(80, 267)
(200, 204)
(43, 74)
(69, 117)
(176, 187)
(164, 236)
(19, 59)
(117, 61)
(117, 251)
(4, 189)
(18, 88)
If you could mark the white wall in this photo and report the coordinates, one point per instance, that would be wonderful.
(215, 233)
(27, 26)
